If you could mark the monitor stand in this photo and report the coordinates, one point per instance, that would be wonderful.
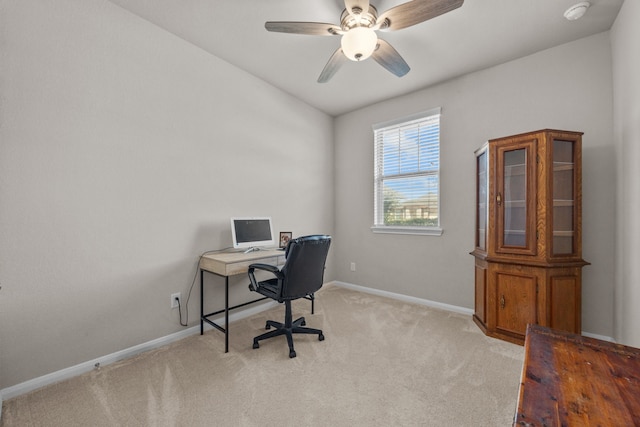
(252, 249)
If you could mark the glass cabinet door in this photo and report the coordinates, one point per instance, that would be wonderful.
(564, 222)
(482, 181)
(515, 198)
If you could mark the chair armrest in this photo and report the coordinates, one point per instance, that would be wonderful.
(266, 267)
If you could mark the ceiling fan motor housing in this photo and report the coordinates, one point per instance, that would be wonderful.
(358, 18)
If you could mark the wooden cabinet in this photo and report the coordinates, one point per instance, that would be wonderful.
(528, 242)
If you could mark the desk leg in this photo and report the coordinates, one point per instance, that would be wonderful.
(226, 314)
(205, 317)
(201, 302)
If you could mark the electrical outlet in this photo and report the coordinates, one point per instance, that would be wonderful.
(353, 266)
(176, 299)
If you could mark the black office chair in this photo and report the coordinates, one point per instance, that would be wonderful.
(300, 277)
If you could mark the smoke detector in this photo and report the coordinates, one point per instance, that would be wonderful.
(577, 11)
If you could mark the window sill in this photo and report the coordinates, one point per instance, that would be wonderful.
(426, 231)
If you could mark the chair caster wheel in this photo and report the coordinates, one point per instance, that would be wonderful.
(320, 337)
(303, 323)
(267, 327)
(256, 345)
(292, 354)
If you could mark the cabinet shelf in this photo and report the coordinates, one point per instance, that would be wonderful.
(562, 203)
(515, 203)
(515, 170)
(562, 166)
(560, 233)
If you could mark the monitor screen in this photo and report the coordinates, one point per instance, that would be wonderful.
(251, 232)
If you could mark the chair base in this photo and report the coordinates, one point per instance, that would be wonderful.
(288, 329)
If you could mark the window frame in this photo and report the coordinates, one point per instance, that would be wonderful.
(378, 212)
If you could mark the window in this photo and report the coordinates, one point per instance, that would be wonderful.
(407, 175)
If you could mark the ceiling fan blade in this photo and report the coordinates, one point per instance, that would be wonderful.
(309, 28)
(363, 5)
(390, 59)
(415, 12)
(335, 62)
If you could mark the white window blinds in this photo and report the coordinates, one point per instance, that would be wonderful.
(407, 165)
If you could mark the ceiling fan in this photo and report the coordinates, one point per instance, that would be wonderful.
(358, 25)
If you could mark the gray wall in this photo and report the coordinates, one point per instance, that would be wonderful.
(123, 152)
(568, 87)
(625, 41)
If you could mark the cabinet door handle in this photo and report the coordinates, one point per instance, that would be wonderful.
(502, 303)
(499, 199)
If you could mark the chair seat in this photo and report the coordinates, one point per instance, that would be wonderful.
(269, 288)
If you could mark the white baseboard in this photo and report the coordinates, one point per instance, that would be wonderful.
(406, 298)
(598, 337)
(434, 304)
(70, 372)
(64, 374)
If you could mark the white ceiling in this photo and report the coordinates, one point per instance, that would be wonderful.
(480, 34)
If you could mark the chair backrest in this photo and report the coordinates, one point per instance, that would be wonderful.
(304, 268)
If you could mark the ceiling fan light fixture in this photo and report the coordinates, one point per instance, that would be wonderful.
(359, 43)
(577, 11)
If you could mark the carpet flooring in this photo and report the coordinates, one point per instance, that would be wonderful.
(383, 363)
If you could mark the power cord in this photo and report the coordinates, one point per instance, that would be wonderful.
(180, 312)
(193, 281)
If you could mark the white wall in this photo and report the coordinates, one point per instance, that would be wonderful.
(625, 41)
(123, 152)
(568, 87)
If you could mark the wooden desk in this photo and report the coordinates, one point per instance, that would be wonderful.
(227, 264)
(571, 380)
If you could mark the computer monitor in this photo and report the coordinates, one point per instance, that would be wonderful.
(251, 233)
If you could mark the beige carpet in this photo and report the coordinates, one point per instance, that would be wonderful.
(383, 363)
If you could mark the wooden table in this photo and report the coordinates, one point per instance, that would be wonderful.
(571, 380)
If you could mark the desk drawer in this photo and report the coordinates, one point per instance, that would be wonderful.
(230, 264)
(243, 266)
